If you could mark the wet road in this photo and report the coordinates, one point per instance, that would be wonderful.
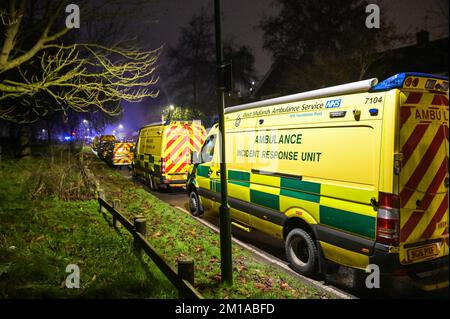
(346, 279)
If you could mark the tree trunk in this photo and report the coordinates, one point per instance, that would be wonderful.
(24, 142)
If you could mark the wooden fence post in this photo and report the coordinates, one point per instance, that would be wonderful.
(141, 228)
(116, 206)
(101, 195)
(186, 270)
(139, 216)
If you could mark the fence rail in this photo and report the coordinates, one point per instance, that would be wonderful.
(179, 279)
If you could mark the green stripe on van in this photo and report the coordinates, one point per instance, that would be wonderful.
(299, 185)
(202, 170)
(300, 195)
(348, 221)
(238, 175)
(265, 199)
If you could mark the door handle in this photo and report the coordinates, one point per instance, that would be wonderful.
(210, 171)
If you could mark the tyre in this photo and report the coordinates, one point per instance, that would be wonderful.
(194, 204)
(302, 252)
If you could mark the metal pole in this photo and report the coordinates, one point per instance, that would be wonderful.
(225, 220)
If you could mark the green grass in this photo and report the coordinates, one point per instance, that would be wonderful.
(175, 234)
(45, 227)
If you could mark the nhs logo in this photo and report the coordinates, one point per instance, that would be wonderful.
(332, 104)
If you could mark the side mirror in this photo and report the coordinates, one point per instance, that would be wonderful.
(131, 149)
(195, 158)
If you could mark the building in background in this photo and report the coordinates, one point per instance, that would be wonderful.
(424, 56)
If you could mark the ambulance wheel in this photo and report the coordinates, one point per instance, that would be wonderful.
(194, 204)
(302, 252)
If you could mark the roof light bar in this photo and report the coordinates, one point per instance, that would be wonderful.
(354, 87)
(396, 81)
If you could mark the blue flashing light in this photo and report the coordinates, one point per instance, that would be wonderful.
(396, 81)
(67, 138)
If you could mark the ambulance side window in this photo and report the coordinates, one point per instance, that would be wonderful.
(207, 153)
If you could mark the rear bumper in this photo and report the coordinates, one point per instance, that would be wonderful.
(427, 275)
(173, 182)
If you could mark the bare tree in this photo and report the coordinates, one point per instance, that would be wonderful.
(77, 76)
(45, 67)
(319, 32)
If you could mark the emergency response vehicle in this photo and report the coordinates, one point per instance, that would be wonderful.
(102, 147)
(163, 152)
(356, 174)
(120, 154)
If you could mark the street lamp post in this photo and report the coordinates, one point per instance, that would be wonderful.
(225, 220)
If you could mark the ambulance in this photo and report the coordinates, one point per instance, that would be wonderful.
(355, 174)
(120, 154)
(163, 152)
(102, 145)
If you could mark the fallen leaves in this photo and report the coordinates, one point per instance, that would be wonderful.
(284, 285)
(157, 234)
(216, 277)
(38, 238)
(214, 259)
(198, 249)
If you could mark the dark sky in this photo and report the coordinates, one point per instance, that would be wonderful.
(242, 16)
(161, 20)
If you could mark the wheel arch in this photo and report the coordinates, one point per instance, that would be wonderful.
(191, 187)
(297, 222)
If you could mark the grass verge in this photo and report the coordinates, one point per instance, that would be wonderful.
(48, 221)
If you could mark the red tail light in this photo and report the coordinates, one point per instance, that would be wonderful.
(408, 82)
(388, 219)
(163, 167)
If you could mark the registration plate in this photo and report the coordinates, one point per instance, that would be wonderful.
(423, 252)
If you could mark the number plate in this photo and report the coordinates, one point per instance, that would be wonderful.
(423, 252)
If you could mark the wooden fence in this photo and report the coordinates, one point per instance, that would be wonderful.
(183, 279)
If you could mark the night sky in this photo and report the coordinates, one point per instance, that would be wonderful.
(240, 18)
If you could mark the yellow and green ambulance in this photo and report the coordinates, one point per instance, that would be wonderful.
(163, 151)
(120, 154)
(356, 174)
(102, 145)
